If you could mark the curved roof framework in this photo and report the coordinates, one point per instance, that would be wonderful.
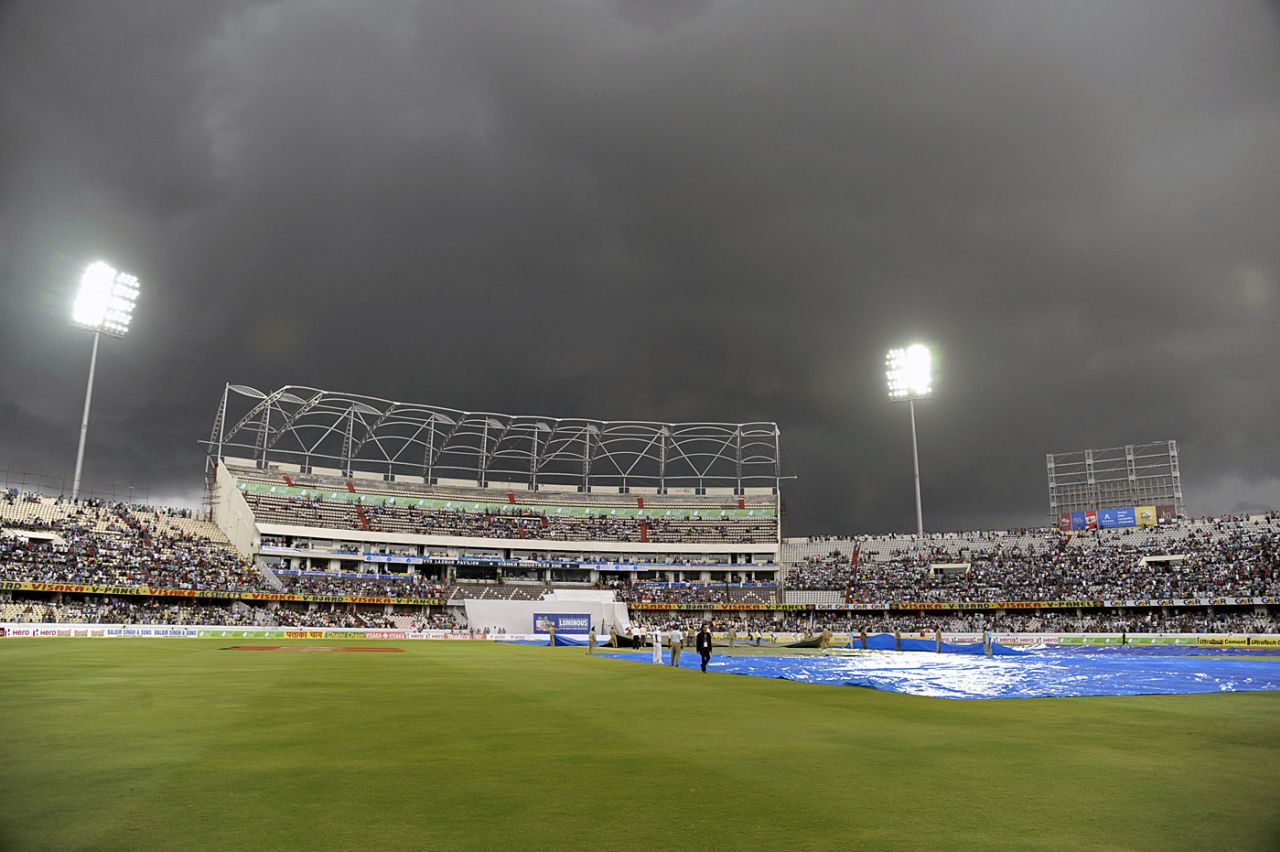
(352, 432)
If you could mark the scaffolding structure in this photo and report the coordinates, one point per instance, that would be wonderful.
(1115, 477)
(315, 428)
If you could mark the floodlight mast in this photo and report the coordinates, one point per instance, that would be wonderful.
(104, 305)
(84, 420)
(910, 377)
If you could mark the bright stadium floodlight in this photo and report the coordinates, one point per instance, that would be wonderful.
(910, 372)
(104, 305)
(910, 375)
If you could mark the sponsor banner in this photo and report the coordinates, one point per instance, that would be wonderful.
(1128, 639)
(1146, 516)
(303, 598)
(1064, 521)
(161, 631)
(1115, 518)
(238, 633)
(1238, 641)
(920, 605)
(87, 589)
(393, 558)
(735, 607)
(1095, 639)
(1090, 519)
(44, 630)
(72, 631)
(219, 594)
(1268, 600)
(1077, 520)
(1165, 513)
(563, 622)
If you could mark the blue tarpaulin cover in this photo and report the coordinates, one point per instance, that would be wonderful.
(561, 639)
(1045, 673)
(885, 642)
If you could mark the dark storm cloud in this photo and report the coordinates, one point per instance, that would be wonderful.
(710, 210)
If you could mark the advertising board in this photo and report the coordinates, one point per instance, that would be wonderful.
(563, 622)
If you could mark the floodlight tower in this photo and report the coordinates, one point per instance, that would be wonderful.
(910, 375)
(104, 305)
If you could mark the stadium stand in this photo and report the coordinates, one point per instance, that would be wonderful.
(519, 524)
(1203, 559)
(97, 560)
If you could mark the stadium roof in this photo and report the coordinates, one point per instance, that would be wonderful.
(352, 432)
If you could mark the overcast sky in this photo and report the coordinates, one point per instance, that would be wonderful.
(665, 210)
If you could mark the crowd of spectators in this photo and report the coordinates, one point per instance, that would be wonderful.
(110, 545)
(314, 510)
(711, 593)
(94, 609)
(101, 543)
(831, 571)
(770, 625)
(337, 617)
(350, 584)
(1237, 560)
(439, 621)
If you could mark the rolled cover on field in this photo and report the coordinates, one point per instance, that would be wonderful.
(884, 642)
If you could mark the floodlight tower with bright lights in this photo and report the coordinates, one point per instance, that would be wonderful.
(104, 305)
(910, 375)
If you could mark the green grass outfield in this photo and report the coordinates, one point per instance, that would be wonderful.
(175, 744)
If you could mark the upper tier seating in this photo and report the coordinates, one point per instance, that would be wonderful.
(299, 511)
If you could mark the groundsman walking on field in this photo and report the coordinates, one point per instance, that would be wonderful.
(702, 643)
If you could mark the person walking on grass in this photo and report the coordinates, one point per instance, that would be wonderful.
(591, 641)
(677, 644)
(702, 643)
(656, 634)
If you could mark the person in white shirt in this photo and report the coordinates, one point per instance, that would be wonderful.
(677, 643)
(657, 646)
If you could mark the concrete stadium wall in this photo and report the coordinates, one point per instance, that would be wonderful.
(232, 514)
(517, 616)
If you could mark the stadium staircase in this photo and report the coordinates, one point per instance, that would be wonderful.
(360, 515)
(270, 577)
(253, 614)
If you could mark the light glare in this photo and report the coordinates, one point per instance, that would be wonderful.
(909, 372)
(106, 300)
